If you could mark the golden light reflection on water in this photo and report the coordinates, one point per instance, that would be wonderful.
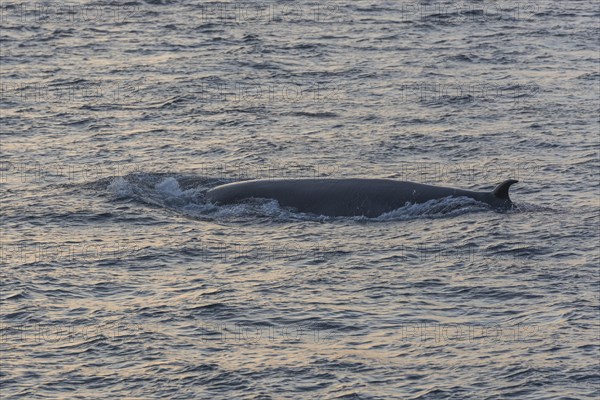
(120, 280)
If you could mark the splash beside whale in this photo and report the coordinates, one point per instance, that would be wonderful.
(350, 197)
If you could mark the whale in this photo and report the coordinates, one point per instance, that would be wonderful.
(350, 197)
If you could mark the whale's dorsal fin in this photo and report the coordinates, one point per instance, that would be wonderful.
(501, 191)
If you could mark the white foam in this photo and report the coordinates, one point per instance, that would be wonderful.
(170, 187)
(120, 187)
(446, 207)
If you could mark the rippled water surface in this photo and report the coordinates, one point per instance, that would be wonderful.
(119, 279)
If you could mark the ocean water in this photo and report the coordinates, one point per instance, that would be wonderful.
(119, 280)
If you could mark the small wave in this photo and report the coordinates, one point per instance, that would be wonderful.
(522, 207)
(159, 2)
(325, 114)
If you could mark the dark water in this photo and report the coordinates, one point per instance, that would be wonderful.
(120, 281)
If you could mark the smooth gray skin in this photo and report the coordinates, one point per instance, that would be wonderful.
(350, 197)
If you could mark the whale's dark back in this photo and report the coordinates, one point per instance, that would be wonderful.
(348, 197)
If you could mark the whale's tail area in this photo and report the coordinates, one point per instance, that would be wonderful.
(501, 191)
